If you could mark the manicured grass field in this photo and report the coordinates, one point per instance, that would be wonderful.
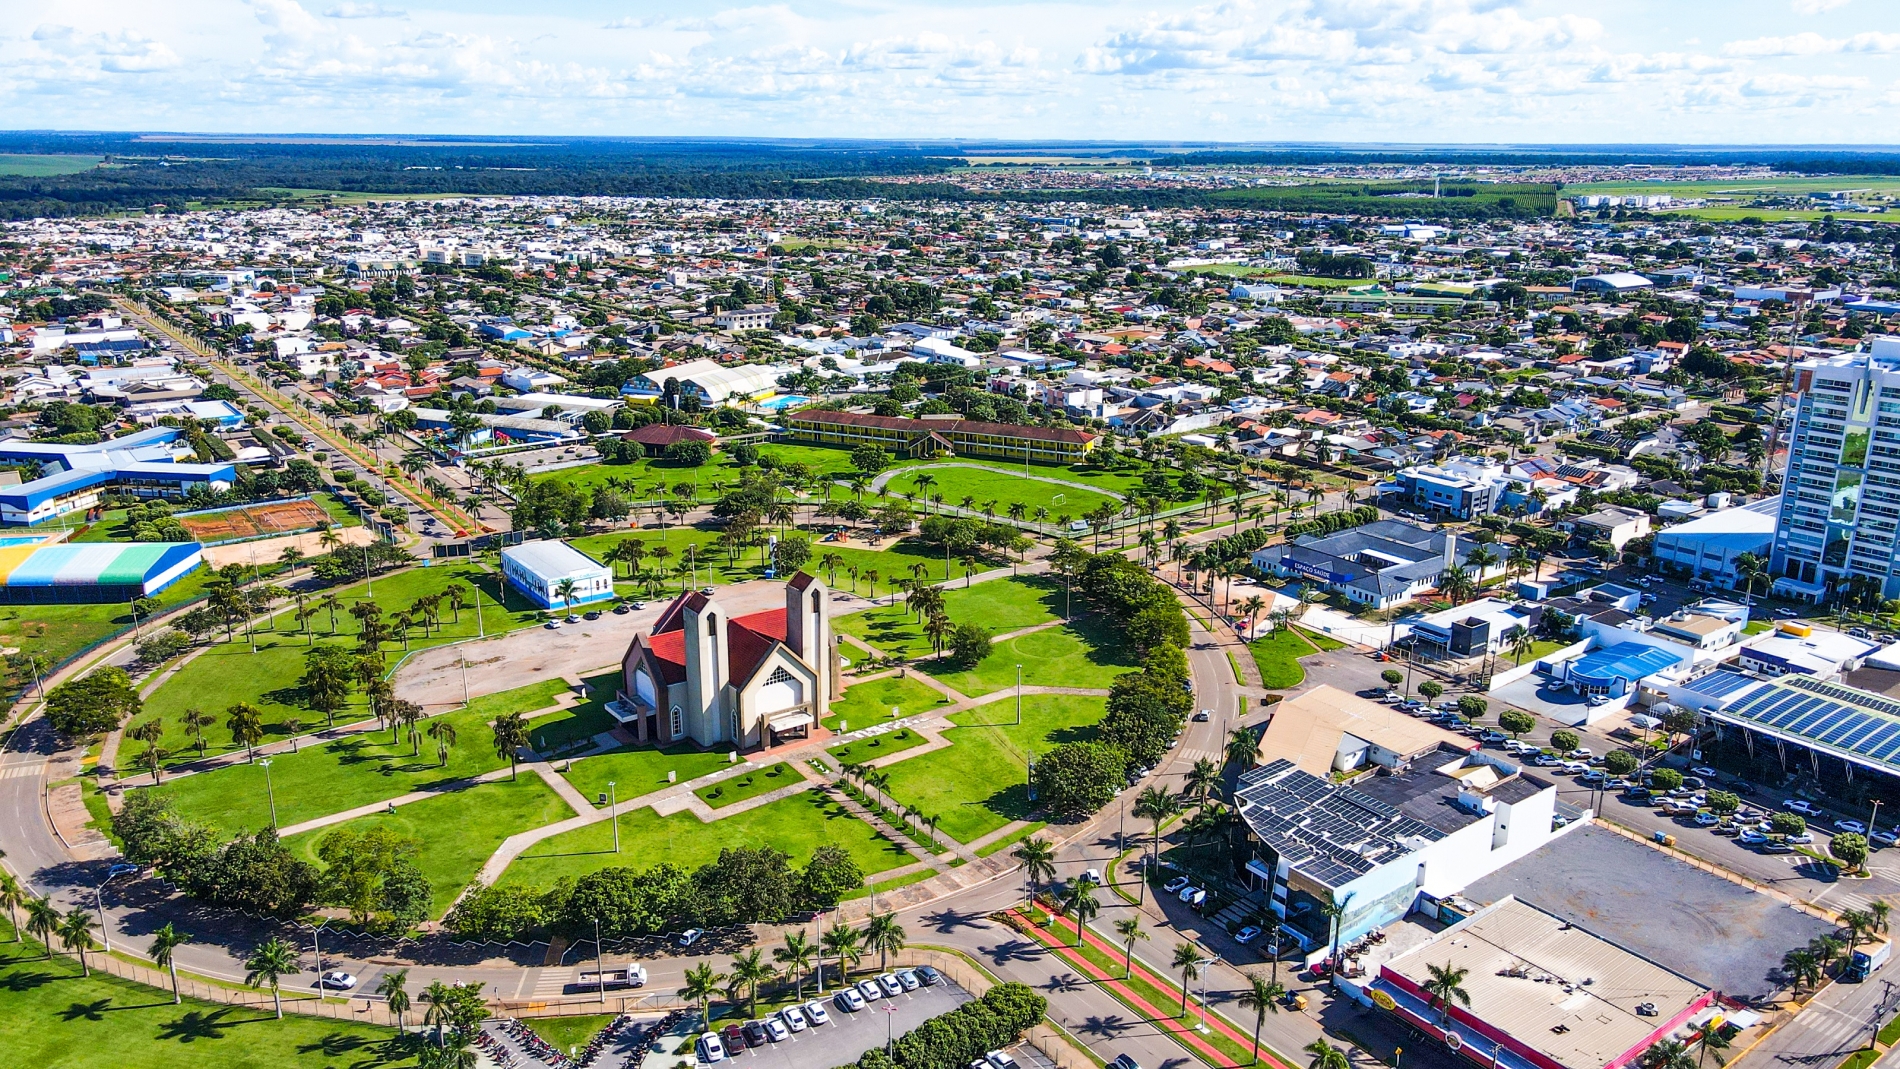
(1326, 643)
(749, 785)
(1001, 605)
(988, 487)
(334, 776)
(458, 832)
(56, 1020)
(977, 784)
(713, 566)
(228, 672)
(869, 702)
(552, 734)
(876, 746)
(797, 825)
(1080, 654)
(640, 770)
(564, 1032)
(1278, 657)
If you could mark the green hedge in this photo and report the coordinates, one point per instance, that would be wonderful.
(1334, 521)
(953, 1040)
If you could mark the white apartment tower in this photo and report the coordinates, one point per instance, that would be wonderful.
(1841, 505)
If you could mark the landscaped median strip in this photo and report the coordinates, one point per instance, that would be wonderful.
(1226, 1046)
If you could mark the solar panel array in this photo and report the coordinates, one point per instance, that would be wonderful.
(1332, 834)
(1721, 684)
(1825, 714)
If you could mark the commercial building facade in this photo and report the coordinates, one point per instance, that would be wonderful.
(537, 570)
(928, 437)
(141, 464)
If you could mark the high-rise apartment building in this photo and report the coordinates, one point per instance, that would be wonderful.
(1841, 502)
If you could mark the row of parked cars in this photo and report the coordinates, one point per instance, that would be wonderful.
(780, 1026)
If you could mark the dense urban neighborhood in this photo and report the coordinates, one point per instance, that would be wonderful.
(1118, 612)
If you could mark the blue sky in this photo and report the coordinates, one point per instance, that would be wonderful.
(1708, 71)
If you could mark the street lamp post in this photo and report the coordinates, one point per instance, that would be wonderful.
(600, 969)
(269, 792)
(1871, 818)
(1202, 965)
(613, 804)
(1019, 695)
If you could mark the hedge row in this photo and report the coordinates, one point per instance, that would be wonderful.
(953, 1040)
(1334, 521)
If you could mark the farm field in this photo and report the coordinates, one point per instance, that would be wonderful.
(456, 833)
(977, 784)
(796, 825)
(46, 166)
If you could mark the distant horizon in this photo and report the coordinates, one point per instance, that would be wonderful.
(965, 145)
(1441, 72)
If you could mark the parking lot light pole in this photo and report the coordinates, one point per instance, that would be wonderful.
(1203, 965)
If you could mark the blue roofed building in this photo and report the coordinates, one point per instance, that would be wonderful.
(1384, 563)
(74, 477)
(1614, 671)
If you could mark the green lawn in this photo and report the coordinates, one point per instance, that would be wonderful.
(876, 746)
(228, 672)
(564, 1032)
(868, 702)
(1001, 605)
(797, 825)
(1080, 654)
(713, 566)
(458, 832)
(1073, 499)
(346, 773)
(553, 734)
(56, 1020)
(639, 770)
(1278, 658)
(749, 784)
(977, 783)
(1326, 643)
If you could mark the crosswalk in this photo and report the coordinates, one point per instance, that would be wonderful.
(20, 771)
(1832, 1029)
(552, 983)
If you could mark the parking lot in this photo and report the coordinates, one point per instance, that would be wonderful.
(1714, 931)
(849, 1035)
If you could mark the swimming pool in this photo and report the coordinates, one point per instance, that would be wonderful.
(23, 540)
(779, 404)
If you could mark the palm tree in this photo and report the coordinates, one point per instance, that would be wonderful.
(843, 941)
(883, 934)
(1129, 928)
(75, 934)
(164, 941)
(1335, 913)
(1713, 1039)
(1202, 778)
(1242, 748)
(1668, 1054)
(195, 721)
(441, 1011)
(1039, 860)
(1445, 985)
(1326, 1056)
(268, 964)
(1187, 958)
(1879, 908)
(511, 734)
(1156, 806)
(1082, 906)
(565, 591)
(1521, 644)
(395, 991)
(13, 896)
(1800, 964)
(247, 727)
(42, 920)
(702, 983)
(749, 970)
(796, 956)
(443, 733)
(1262, 997)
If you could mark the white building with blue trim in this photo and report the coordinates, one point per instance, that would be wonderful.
(537, 570)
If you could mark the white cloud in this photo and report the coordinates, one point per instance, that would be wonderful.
(1809, 43)
(350, 10)
(1816, 7)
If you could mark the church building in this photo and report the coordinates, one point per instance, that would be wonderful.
(731, 682)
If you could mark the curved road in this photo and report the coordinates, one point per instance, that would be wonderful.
(134, 907)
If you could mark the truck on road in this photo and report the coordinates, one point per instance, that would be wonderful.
(1866, 960)
(634, 975)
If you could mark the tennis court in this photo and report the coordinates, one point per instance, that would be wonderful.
(253, 521)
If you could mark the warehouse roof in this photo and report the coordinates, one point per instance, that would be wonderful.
(551, 557)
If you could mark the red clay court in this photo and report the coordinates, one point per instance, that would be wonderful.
(251, 521)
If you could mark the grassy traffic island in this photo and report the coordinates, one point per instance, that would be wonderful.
(1278, 655)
